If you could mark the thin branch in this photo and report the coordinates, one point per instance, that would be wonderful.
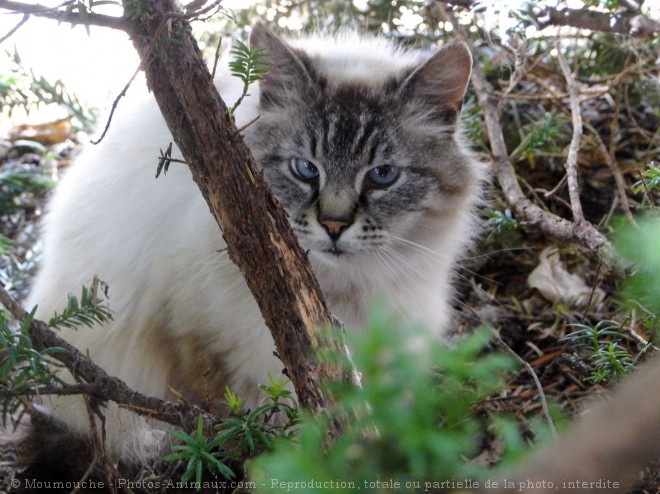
(64, 390)
(115, 103)
(576, 139)
(16, 27)
(584, 234)
(109, 387)
(647, 191)
(216, 58)
(90, 18)
(628, 23)
(143, 61)
(535, 378)
(616, 173)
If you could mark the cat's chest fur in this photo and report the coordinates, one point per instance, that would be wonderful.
(358, 141)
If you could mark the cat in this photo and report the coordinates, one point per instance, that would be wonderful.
(359, 140)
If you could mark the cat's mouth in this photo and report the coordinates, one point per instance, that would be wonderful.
(336, 251)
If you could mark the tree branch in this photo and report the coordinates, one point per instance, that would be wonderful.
(60, 15)
(627, 23)
(259, 238)
(630, 23)
(100, 384)
(254, 225)
(25, 18)
(576, 138)
(583, 233)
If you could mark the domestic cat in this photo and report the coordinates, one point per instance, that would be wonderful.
(358, 140)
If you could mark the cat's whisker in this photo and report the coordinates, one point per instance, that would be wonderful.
(409, 265)
(420, 248)
(432, 253)
(499, 251)
(404, 267)
(384, 261)
(394, 268)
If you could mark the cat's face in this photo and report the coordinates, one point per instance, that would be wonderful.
(360, 169)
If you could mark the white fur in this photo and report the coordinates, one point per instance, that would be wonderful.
(156, 245)
(370, 60)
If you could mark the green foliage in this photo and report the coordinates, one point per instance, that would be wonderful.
(199, 453)
(607, 4)
(22, 88)
(135, 8)
(472, 123)
(500, 223)
(605, 54)
(91, 309)
(238, 436)
(544, 131)
(15, 271)
(248, 65)
(22, 368)
(542, 134)
(5, 245)
(641, 247)
(648, 183)
(601, 346)
(254, 432)
(82, 9)
(411, 421)
(18, 181)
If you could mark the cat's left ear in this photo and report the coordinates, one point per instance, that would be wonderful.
(441, 81)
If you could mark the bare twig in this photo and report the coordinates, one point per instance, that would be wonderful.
(248, 124)
(535, 378)
(627, 22)
(216, 58)
(16, 27)
(90, 18)
(646, 190)
(143, 61)
(576, 139)
(549, 193)
(115, 103)
(616, 173)
(583, 233)
(86, 475)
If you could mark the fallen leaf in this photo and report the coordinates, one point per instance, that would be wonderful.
(559, 286)
(47, 133)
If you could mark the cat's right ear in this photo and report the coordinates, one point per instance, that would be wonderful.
(441, 81)
(288, 76)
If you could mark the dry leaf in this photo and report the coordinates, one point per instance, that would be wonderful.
(47, 133)
(559, 286)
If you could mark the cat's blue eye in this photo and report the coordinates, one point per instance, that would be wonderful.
(304, 170)
(383, 176)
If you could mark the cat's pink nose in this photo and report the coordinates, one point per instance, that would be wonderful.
(334, 227)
